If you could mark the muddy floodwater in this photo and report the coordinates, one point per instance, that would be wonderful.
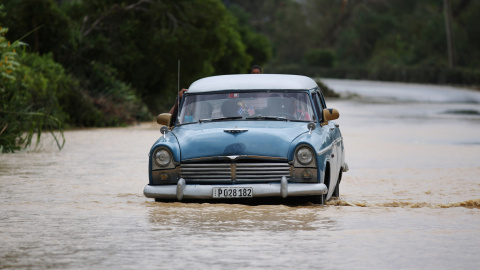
(411, 199)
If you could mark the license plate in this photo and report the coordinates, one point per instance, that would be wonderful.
(232, 192)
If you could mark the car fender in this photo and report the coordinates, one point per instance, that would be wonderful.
(168, 141)
(320, 140)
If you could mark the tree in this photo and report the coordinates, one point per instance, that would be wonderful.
(143, 40)
(39, 23)
(283, 22)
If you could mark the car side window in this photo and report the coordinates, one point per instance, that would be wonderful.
(317, 105)
(322, 99)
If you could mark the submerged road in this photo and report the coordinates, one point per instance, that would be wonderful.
(410, 200)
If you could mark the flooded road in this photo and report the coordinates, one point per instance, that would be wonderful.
(411, 199)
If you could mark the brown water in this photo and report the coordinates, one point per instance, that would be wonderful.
(411, 200)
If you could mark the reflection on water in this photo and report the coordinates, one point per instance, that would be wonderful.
(235, 218)
(410, 201)
(465, 111)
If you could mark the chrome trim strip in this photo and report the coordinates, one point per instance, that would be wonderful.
(229, 158)
(235, 130)
(321, 152)
(259, 190)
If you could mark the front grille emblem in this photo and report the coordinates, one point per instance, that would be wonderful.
(235, 130)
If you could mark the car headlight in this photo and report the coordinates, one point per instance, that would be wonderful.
(304, 155)
(162, 157)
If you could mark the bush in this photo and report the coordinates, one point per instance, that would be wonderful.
(29, 98)
(320, 58)
(115, 102)
(38, 95)
(327, 91)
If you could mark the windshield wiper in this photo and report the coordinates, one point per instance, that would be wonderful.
(220, 119)
(263, 117)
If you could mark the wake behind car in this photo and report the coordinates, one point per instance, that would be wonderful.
(248, 136)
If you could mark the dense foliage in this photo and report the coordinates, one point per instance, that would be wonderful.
(30, 86)
(107, 63)
(401, 40)
(138, 43)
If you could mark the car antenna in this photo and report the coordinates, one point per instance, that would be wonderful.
(178, 85)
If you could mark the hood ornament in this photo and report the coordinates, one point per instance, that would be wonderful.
(235, 130)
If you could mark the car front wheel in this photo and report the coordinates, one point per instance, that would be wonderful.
(336, 191)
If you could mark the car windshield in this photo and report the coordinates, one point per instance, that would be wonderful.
(251, 106)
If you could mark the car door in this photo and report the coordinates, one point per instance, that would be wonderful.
(334, 157)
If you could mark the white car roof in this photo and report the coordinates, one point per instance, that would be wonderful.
(252, 82)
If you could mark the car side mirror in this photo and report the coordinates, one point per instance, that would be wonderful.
(330, 114)
(164, 119)
(311, 127)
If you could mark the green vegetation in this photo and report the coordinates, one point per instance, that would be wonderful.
(110, 63)
(320, 58)
(29, 87)
(114, 62)
(399, 40)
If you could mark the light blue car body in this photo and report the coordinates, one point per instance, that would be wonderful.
(255, 140)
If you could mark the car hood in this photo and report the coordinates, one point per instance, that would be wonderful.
(234, 138)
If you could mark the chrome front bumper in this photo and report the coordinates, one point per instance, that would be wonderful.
(282, 189)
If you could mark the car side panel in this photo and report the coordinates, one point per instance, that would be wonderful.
(328, 147)
(330, 152)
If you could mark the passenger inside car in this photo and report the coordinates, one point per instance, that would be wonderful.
(274, 105)
(205, 110)
(230, 108)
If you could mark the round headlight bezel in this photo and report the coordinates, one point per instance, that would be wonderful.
(162, 157)
(304, 155)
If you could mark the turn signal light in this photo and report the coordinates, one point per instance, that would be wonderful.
(307, 175)
(164, 177)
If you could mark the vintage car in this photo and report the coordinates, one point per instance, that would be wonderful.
(248, 136)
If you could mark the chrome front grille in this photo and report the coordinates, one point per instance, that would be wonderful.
(206, 172)
(234, 172)
(262, 171)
